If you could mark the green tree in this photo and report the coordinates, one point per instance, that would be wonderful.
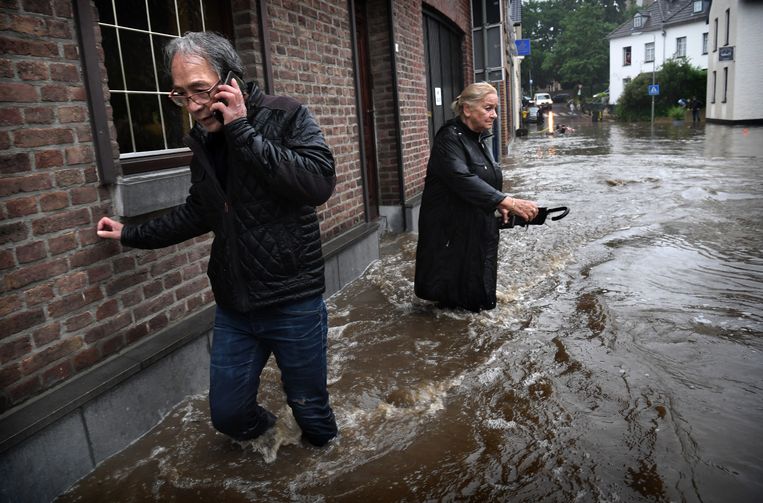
(581, 52)
(677, 79)
(568, 41)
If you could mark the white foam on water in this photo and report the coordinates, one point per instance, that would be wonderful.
(532, 379)
(500, 423)
(489, 376)
(284, 432)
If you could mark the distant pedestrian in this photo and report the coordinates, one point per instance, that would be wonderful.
(696, 107)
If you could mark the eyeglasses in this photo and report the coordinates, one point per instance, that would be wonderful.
(200, 98)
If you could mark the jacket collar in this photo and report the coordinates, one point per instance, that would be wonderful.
(458, 123)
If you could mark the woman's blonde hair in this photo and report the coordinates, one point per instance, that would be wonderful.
(471, 95)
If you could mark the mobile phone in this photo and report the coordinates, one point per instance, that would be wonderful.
(228, 79)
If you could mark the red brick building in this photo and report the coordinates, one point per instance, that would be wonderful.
(86, 131)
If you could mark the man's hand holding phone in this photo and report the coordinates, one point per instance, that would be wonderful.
(230, 100)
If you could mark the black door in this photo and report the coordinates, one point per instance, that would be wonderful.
(444, 68)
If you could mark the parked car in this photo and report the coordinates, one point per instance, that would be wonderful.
(561, 98)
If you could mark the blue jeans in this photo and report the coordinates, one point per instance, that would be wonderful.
(296, 333)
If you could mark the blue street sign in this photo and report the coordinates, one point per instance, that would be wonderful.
(654, 89)
(523, 46)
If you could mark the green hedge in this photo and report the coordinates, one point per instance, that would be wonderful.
(677, 79)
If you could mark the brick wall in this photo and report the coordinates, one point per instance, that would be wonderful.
(247, 38)
(67, 299)
(312, 61)
(412, 81)
(412, 92)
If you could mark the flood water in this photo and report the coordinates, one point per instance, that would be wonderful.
(624, 361)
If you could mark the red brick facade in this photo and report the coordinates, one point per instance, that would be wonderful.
(69, 300)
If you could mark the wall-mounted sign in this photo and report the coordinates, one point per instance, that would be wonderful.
(523, 46)
(438, 96)
(726, 54)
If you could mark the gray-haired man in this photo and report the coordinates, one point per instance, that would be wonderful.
(260, 167)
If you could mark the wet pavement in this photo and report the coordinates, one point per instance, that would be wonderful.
(623, 362)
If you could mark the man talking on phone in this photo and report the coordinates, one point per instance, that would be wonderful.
(260, 167)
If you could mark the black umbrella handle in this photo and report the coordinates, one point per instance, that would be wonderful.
(564, 209)
(540, 219)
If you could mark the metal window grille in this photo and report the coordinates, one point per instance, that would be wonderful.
(134, 34)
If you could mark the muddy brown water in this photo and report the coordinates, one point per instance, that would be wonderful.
(623, 362)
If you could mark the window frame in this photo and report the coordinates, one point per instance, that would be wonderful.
(627, 56)
(725, 83)
(483, 28)
(646, 52)
(680, 47)
(714, 84)
(705, 37)
(698, 3)
(110, 161)
(715, 34)
(728, 26)
(638, 20)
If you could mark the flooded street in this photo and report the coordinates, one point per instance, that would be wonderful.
(624, 361)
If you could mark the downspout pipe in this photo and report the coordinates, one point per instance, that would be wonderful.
(396, 101)
(263, 24)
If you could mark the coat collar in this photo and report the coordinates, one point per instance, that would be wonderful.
(463, 128)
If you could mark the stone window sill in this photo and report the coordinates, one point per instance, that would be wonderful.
(145, 193)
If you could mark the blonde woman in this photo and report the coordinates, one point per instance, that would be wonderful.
(457, 252)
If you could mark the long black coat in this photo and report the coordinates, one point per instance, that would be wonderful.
(457, 252)
(267, 246)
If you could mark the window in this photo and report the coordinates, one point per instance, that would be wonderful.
(715, 34)
(725, 83)
(133, 34)
(704, 43)
(486, 37)
(712, 87)
(728, 26)
(626, 56)
(680, 47)
(649, 52)
(626, 81)
(638, 21)
(697, 6)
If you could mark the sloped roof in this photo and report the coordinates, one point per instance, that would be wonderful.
(661, 13)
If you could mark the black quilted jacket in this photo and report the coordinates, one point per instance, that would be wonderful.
(267, 246)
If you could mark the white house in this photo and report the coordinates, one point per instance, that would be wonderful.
(734, 71)
(660, 31)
